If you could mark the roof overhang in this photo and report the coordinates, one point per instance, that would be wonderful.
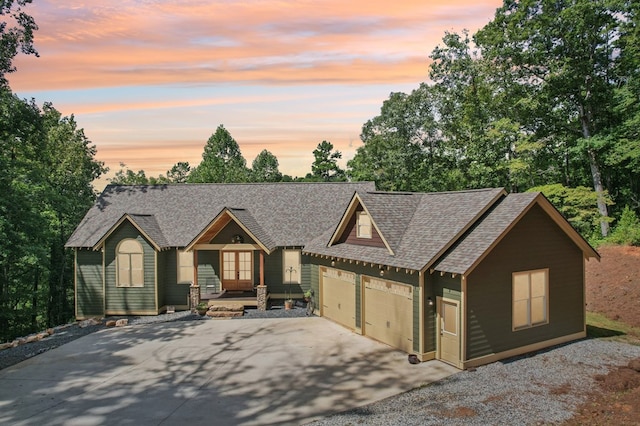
(126, 217)
(218, 224)
(472, 222)
(588, 251)
(344, 221)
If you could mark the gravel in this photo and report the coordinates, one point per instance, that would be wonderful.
(541, 388)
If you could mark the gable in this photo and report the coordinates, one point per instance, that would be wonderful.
(416, 228)
(350, 232)
(499, 222)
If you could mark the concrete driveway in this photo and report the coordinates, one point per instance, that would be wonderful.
(208, 372)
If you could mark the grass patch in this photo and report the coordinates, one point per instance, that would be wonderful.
(599, 326)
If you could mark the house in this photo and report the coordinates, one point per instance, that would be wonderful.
(467, 277)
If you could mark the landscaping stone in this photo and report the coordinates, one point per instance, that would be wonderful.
(232, 307)
(122, 322)
(110, 323)
(224, 314)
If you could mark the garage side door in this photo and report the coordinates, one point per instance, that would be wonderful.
(388, 312)
(339, 296)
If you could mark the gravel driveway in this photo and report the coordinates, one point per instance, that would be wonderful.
(544, 388)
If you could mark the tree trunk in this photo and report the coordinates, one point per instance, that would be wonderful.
(596, 175)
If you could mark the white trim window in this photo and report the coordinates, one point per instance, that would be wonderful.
(363, 225)
(291, 266)
(130, 264)
(185, 267)
(530, 298)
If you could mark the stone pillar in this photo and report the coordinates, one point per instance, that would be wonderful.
(262, 297)
(194, 296)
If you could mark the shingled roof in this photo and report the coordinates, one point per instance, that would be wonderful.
(444, 231)
(466, 253)
(283, 214)
(419, 227)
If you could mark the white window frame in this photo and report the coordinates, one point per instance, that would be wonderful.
(530, 299)
(125, 258)
(184, 267)
(364, 229)
(293, 276)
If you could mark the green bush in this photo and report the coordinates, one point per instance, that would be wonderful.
(627, 231)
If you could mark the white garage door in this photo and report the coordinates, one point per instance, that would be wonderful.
(339, 296)
(388, 312)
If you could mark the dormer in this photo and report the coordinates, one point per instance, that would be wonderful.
(358, 227)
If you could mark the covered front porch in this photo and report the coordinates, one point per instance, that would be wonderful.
(231, 264)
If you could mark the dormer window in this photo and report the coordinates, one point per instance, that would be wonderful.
(363, 225)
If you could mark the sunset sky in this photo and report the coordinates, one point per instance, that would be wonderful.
(150, 80)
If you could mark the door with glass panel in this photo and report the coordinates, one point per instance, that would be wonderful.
(449, 331)
(237, 270)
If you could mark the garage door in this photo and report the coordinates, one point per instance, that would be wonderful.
(339, 296)
(388, 312)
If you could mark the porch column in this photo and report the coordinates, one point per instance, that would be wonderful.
(262, 289)
(194, 290)
(261, 267)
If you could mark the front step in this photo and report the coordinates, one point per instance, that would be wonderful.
(228, 310)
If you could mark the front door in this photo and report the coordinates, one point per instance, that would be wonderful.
(237, 270)
(449, 331)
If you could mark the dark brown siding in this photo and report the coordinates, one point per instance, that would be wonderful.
(350, 234)
(536, 242)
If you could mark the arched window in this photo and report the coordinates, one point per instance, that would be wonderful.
(130, 264)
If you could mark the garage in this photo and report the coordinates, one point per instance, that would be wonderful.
(388, 312)
(338, 296)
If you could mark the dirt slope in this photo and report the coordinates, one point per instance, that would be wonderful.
(613, 284)
(613, 289)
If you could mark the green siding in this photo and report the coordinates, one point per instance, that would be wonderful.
(129, 299)
(208, 265)
(162, 276)
(89, 289)
(416, 319)
(314, 281)
(172, 292)
(273, 276)
(430, 328)
(536, 242)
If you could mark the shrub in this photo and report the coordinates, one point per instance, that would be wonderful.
(628, 229)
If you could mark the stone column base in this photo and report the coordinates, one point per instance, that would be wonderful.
(262, 297)
(194, 296)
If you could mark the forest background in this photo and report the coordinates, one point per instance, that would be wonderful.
(545, 97)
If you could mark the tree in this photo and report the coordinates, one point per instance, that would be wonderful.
(577, 205)
(325, 165)
(16, 35)
(221, 160)
(560, 54)
(69, 168)
(265, 168)
(179, 173)
(47, 167)
(126, 176)
(402, 149)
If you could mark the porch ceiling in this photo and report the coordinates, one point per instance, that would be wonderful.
(214, 228)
